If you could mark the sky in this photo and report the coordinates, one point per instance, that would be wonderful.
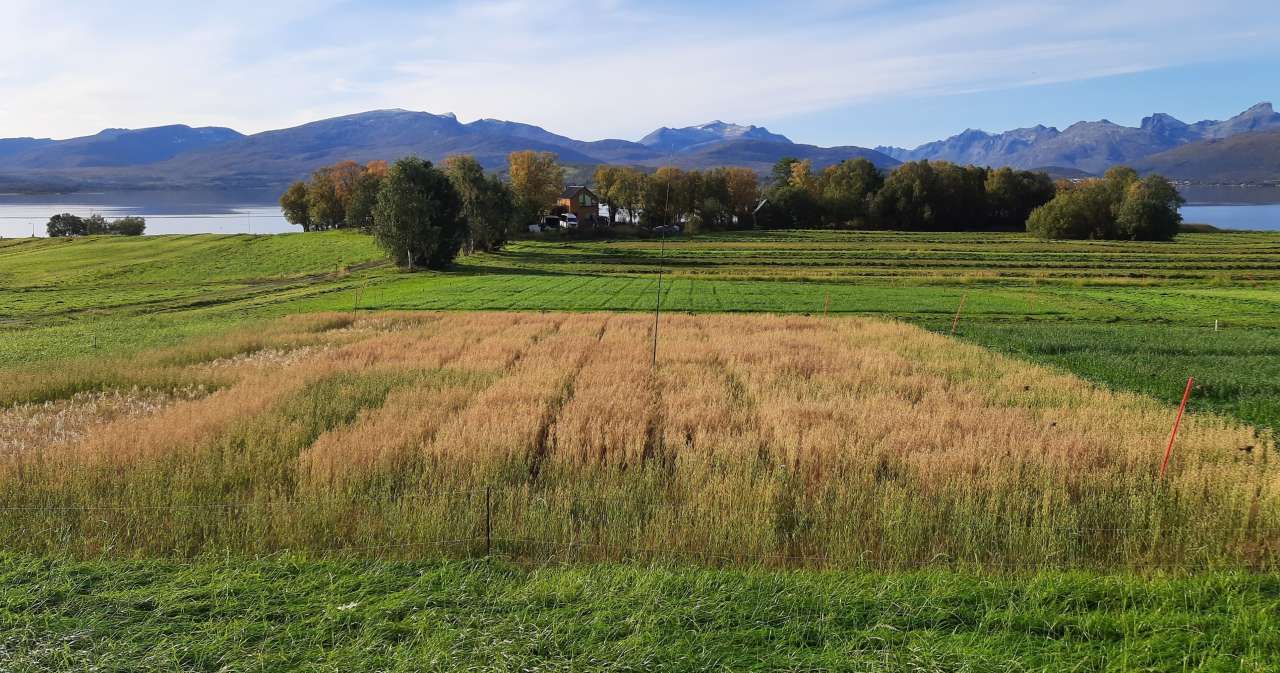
(827, 72)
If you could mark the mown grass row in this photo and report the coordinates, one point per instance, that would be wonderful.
(294, 613)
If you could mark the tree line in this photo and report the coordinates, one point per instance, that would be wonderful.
(66, 224)
(917, 196)
(1119, 206)
(426, 215)
(348, 195)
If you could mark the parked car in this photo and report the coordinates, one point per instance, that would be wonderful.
(666, 229)
(569, 221)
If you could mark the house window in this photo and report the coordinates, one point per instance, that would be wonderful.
(585, 199)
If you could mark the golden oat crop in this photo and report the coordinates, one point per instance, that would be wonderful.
(837, 441)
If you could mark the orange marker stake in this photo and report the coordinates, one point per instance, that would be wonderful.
(1168, 451)
(956, 322)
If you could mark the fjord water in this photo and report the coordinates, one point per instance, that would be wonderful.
(256, 211)
(166, 212)
(1248, 208)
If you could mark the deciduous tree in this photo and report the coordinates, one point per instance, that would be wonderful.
(488, 206)
(295, 206)
(744, 192)
(324, 204)
(537, 180)
(418, 216)
(608, 182)
(848, 187)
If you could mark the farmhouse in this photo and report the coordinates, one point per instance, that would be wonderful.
(582, 202)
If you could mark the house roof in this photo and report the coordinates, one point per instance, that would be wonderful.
(572, 191)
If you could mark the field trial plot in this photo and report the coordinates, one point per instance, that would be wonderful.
(784, 440)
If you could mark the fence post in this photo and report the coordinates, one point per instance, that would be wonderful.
(488, 526)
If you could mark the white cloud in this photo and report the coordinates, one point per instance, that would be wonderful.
(608, 68)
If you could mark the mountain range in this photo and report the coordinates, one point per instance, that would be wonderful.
(1087, 146)
(182, 156)
(1244, 148)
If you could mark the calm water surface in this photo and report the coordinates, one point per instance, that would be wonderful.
(238, 212)
(170, 212)
(1252, 208)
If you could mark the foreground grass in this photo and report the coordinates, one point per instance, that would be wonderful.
(289, 613)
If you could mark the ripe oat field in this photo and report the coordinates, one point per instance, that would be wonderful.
(849, 442)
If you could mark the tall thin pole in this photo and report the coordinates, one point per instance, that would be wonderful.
(1177, 421)
(662, 256)
(956, 321)
(657, 303)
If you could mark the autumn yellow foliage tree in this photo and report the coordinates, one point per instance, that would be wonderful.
(537, 179)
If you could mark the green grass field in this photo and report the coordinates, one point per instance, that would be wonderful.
(1131, 316)
(315, 615)
(1136, 316)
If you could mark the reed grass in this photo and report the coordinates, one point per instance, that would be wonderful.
(784, 440)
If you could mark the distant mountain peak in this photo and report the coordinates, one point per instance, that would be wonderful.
(682, 139)
(1161, 120)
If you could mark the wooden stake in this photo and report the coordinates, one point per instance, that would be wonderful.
(826, 305)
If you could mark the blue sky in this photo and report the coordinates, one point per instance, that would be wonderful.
(862, 72)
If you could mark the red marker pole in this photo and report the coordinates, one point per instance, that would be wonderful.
(1168, 451)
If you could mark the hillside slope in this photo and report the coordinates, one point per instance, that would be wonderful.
(1249, 158)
